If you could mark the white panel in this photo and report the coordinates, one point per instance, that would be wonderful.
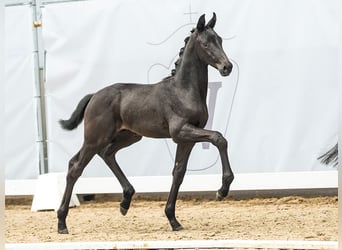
(179, 244)
(314, 180)
(20, 127)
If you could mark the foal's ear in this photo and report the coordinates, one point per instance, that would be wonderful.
(201, 23)
(212, 21)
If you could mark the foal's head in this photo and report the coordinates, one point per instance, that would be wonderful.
(209, 46)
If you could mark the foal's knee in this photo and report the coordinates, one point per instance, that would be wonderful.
(178, 172)
(219, 141)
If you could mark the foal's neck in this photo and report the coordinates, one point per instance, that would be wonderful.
(192, 74)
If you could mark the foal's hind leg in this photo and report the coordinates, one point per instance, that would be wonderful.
(123, 139)
(76, 167)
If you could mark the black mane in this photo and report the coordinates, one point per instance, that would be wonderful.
(181, 51)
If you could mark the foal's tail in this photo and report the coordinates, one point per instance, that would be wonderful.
(77, 116)
(330, 157)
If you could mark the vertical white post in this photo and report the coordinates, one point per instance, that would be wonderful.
(39, 62)
(2, 144)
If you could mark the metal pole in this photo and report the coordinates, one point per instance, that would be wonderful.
(39, 62)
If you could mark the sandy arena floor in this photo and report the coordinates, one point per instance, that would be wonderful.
(293, 218)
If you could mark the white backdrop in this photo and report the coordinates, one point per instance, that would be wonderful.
(285, 57)
(21, 153)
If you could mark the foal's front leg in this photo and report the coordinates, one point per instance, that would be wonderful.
(181, 161)
(190, 133)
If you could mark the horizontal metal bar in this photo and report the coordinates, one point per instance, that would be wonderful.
(12, 3)
(46, 2)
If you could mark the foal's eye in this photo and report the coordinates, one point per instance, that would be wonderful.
(205, 45)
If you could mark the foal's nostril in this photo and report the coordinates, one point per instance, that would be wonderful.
(227, 68)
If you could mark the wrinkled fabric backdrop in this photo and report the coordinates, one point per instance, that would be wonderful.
(278, 108)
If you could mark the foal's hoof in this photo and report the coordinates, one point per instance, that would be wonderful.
(219, 197)
(177, 228)
(123, 210)
(63, 231)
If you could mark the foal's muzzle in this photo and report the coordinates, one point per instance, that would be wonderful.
(225, 69)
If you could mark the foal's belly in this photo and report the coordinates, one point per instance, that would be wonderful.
(149, 129)
(146, 122)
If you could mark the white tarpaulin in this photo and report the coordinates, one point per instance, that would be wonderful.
(284, 113)
(21, 155)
